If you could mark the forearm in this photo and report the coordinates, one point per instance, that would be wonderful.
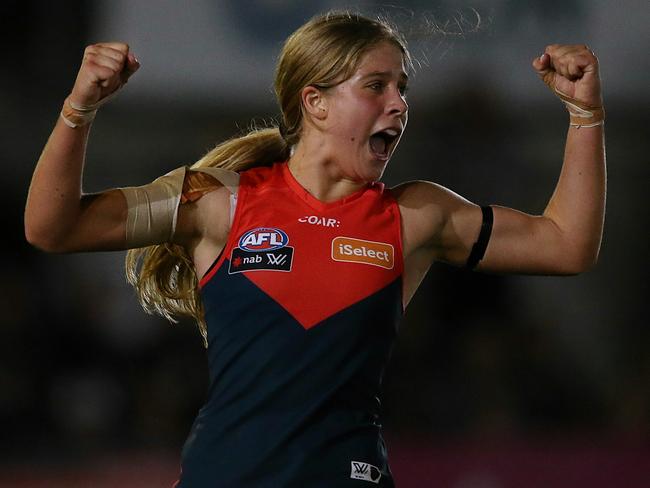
(54, 198)
(577, 207)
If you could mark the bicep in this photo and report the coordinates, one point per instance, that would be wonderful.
(101, 225)
(444, 226)
(519, 242)
(172, 208)
(527, 244)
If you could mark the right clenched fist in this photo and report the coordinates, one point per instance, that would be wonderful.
(104, 69)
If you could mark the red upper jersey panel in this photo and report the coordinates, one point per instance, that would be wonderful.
(313, 258)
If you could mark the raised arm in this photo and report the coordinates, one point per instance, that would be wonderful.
(565, 239)
(59, 217)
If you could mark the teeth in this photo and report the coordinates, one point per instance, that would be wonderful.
(391, 132)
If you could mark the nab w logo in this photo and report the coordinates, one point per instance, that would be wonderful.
(364, 471)
(276, 259)
(262, 249)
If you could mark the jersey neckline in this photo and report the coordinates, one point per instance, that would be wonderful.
(314, 202)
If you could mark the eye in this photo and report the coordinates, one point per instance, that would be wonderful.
(376, 85)
(403, 90)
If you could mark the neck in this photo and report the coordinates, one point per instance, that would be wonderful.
(315, 166)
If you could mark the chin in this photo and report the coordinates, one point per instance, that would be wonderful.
(375, 172)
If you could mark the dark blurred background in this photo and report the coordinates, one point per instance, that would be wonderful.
(496, 381)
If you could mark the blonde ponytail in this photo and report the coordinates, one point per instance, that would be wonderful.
(163, 275)
(260, 147)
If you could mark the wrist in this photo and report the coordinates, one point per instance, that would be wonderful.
(581, 114)
(77, 115)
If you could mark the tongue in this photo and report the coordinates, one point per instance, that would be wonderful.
(378, 144)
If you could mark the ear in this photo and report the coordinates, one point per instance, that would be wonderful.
(314, 102)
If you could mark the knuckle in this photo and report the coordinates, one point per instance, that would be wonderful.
(88, 58)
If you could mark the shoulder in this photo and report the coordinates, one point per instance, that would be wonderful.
(425, 193)
(427, 200)
(428, 211)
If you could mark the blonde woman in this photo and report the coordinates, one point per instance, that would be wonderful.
(294, 260)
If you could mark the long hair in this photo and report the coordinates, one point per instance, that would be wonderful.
(323, 52)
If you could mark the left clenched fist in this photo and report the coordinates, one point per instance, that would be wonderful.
(571, 70)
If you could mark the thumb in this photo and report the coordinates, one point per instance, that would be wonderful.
(130, 67)
(545, 70)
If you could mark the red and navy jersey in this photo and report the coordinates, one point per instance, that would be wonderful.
(302, 308)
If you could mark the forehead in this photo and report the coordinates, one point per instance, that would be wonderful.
(382, 58)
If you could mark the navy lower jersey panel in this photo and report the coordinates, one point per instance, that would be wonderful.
(289, 406)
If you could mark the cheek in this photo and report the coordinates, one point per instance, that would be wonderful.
(347, 125)
(357, 118)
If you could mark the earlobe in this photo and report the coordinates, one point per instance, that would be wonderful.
(314, 103)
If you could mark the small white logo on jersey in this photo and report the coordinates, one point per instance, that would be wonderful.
(322, 221)
(364, 471)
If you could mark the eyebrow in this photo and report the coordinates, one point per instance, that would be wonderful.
(385, 74)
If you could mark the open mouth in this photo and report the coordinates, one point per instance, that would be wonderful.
(382, 142)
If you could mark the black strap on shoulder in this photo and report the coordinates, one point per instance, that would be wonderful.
(479, 247)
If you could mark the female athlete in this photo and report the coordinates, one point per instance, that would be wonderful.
(296, 262)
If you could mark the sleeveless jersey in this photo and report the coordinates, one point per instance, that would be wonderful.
(302, 308)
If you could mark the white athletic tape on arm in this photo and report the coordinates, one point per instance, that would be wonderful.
(580, 114)
(76, 115)
(152, 209)
(228, 178)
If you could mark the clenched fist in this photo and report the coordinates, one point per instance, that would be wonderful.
(571, 70)
(105, 68)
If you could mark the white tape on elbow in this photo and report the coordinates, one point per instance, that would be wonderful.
(153, 209)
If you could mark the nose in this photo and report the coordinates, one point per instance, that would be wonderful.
(397, 104)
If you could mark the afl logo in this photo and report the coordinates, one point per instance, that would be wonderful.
(263, 239)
